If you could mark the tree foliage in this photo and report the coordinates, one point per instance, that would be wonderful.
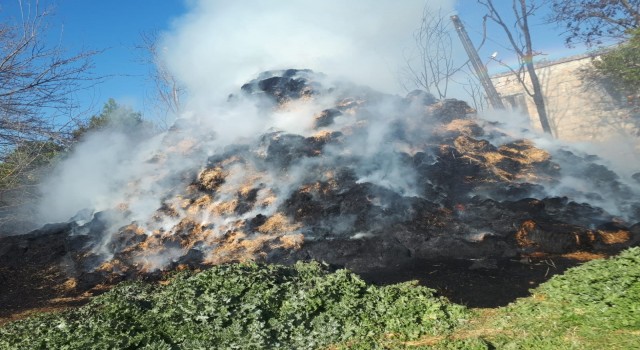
(114, 116)
(622, 64)
(22, 168)
(595, 21)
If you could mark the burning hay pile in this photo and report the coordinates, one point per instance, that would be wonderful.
(364, 180)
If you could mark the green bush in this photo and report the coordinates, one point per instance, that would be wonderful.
(21, 169)
(622, 64)
(244, 306)
(116, 117)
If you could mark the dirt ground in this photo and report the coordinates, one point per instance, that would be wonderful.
(31, 288)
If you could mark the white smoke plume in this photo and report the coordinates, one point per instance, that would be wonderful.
(216, 47)
(212, 51)
(613, 159)
(219, 44)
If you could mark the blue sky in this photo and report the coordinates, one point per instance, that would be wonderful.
(115, 26)
(547, 38)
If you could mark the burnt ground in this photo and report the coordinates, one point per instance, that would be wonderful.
(35, 274)
(43, 286)
(476, 284)
(31, 288)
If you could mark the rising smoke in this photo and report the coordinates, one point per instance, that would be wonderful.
(219, 44)
(217, 47)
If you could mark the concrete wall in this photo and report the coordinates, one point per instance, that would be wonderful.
(580, 106)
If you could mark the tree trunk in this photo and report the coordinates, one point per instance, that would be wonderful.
(538, 99)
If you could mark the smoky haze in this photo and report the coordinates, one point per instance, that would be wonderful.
(219, 44)
(249, 144)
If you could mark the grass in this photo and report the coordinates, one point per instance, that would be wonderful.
(593, 306)
(249, 306)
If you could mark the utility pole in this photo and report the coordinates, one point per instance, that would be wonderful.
(478, 66)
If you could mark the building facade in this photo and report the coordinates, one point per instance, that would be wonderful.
(581, 106)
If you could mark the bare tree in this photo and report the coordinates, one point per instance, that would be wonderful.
(520, 40)
(36, 80)
(474, 90)
(435, 65)
(37, 84)
(168, 92)
(593, 21)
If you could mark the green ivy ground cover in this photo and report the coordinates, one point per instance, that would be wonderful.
(244, 306)
(248, 306)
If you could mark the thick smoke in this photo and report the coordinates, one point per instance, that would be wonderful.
(98, 171)
(219, 44)
(603, 172)
(226, 149)
(213, 50)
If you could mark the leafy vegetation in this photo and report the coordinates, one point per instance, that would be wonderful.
(244, 306)
(249, 306)
(20, 172)
(23, 166)
(114, 116)
(622, 64)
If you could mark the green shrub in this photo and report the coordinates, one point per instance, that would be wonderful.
(622, 64)
(244, 306)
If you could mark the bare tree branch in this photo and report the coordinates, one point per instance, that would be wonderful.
(435, 65)
(523, 48)
(595, 22)
(38, 81)
(168, 92)
(35, 78)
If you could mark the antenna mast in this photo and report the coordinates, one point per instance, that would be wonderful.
(478, 66)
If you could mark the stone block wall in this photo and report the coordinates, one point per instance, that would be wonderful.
(581, 106)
